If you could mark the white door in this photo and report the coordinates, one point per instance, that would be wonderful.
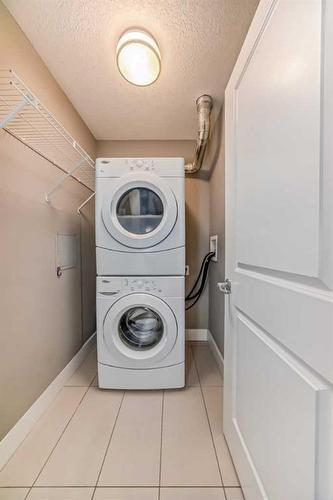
(278, 417)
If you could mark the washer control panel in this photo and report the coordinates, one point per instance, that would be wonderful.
(138, 284)
(109, 286)
(113, 287)
(143, 165)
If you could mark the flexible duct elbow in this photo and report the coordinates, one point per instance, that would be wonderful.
(204, 107)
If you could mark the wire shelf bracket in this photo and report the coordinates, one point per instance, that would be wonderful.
(84, 203)
(14, 112)
(61, 181)
(23, 116)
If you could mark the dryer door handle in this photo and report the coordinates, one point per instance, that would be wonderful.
(108, 293)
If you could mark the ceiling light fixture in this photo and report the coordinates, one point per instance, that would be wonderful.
(138, 57)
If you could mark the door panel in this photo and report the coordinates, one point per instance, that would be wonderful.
(277, 181)
(269, 382)
(278, 411)
(298, 316)
(326, 236)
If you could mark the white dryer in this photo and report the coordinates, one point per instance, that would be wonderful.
(140, 216)
(140, 332)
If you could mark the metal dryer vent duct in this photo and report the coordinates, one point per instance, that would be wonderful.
(204, 107)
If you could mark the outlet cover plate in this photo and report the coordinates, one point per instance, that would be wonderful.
(213, 240)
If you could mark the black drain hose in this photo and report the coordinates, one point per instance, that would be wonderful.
(203, 273)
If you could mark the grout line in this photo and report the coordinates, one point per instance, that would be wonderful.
(121, 486)
(161, 442)
(232, 461)
(235, 488)
(108, 446)
(68, 487)
(222, 388)
(209, 425)
(57, 442)
(185, 487)
(83, 386)
(91, 383)
(232, 487)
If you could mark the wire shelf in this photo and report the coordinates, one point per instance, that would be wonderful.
(25, 117)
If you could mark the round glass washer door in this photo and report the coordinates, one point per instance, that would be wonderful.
(140, 210)
(139, 330)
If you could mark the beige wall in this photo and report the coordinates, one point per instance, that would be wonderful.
(41, 315)
(215, 161)
(214, 166)
(88, 270)
(197, 208)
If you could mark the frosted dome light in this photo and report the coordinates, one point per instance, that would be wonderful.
(138, 57)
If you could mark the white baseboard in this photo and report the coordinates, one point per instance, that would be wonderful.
(215, 351)
(196, 334)
(21, 429)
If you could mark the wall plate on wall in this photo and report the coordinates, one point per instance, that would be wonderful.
(66, 251)
(213, 240)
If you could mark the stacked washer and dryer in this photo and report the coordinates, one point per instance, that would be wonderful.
(140, 248)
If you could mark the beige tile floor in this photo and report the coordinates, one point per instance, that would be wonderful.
(128, 445)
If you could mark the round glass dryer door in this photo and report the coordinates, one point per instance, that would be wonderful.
(141, 328)
(139, 211)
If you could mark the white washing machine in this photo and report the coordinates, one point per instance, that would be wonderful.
(140, 332)
(140, 216)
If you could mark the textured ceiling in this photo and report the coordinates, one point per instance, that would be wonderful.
(199, 42)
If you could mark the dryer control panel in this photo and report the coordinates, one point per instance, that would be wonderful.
(141, 285)
(117, 167)
(145, 164)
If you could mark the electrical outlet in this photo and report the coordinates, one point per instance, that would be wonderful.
(213, 240)
(187, 270)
